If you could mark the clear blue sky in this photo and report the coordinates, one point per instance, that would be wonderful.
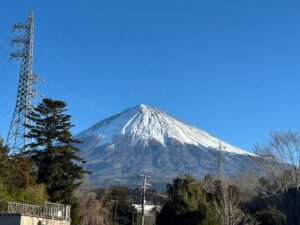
(231, 68)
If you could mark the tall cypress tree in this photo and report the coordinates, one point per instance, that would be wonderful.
(53, 151)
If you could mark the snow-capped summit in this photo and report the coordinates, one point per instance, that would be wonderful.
(144, 123)
(145, 139)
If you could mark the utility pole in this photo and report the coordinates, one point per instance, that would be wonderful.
(16, 139)
(145, 186)
(115, 201)
(220, 159)
(132, 222)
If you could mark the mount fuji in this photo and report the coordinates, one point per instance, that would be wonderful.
(144, 139)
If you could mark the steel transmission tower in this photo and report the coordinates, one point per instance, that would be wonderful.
(220, 159)
(23, 42)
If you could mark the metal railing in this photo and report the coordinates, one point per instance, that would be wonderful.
(51, 210)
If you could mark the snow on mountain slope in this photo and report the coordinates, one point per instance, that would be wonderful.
(144, 139)
(143, 124)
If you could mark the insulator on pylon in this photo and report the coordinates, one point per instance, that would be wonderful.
(19, 26)
(37, 79)
(16, 55)
(18, 41)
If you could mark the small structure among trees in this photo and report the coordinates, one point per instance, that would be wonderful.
(24, 214)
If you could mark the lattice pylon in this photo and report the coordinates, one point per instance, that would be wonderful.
(16, 139)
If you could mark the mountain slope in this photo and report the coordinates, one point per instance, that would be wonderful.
(144, 139)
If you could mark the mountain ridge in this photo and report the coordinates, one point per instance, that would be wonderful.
(145, 139)
(144, 134)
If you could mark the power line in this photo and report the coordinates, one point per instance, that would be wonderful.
(4, 66)
(7, 15)
(58, 71)
(63, 90)
(72, 68)
(4, 53)
(65, 63)
(5, 42)
(6, 102)
(6, 114)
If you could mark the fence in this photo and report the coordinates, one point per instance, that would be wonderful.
(51, 210)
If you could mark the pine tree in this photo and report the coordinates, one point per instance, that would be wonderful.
(54, 153)
(186, 205)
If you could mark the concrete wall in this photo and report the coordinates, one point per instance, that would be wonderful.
(16, 219)
(30, 220)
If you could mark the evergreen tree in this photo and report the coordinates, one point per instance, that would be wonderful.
(18, 180)
(120, 200)
(4, 160)
(15, 170)
(187, 205)
(53, 151)
(271, 216)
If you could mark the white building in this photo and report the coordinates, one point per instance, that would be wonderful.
(149, 209)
